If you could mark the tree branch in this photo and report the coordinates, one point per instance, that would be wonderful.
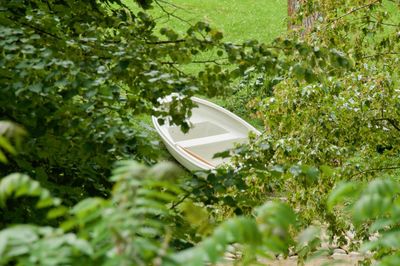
(170, 14)
(179, 71)
(167, 42)
(380, 54)
(188, 193)
(353, 10)
(391, 121)
(40, 30)
(214, 61)
(376, 169)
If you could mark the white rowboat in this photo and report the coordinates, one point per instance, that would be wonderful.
(213, 130)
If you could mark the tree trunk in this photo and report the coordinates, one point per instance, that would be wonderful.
(293, 7)
(308, 22)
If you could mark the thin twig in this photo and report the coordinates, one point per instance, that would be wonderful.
(171, 14)
(352, 11)
(167, 42)
(391, 121)
(379, 54)
(173, 5)
(41, 31)
(214, 61)
(376, 169)
(388, 24)
(181, 200)
(179, 71)
(188, 193)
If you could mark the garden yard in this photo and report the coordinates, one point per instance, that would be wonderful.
(85, 178)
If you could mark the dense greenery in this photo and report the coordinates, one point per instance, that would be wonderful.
(133, 226)
(341, 125)
(78, 76)
(343, 122)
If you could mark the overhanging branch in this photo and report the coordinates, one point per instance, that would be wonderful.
(391, 121)
(353, 11)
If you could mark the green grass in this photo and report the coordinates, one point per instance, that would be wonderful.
(239, 20)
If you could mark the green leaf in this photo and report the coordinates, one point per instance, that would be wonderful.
(341, 192)
(5, 144)
(3, 158)
(383, 187)
(370, 206)
(57, 212)
(223, 154)
(18, 185)
(309, 234)
(276, 214)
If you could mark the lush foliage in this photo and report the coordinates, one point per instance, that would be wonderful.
(75, 77)
(376, 205)
(133, 226)
(329, 104)
(78, 75)
(324, 124)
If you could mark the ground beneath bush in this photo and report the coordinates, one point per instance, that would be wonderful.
(335, 259)
(330, 254)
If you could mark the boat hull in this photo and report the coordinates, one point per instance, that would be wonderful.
(214, 129)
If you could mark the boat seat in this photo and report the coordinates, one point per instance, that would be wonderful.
(209, 140)
(204, 149)
(198, 130)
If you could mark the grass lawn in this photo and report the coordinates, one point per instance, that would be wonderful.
(239, 20)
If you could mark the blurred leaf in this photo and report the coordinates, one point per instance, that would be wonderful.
(341, 192)
(18, 185)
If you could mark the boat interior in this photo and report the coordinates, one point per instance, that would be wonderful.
(206, 138)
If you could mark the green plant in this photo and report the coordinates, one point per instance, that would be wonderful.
(130, 227)
(374, 207)
(329, 103)
(10, 133)
(80, 85)
(133, 226)
(78, 75)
